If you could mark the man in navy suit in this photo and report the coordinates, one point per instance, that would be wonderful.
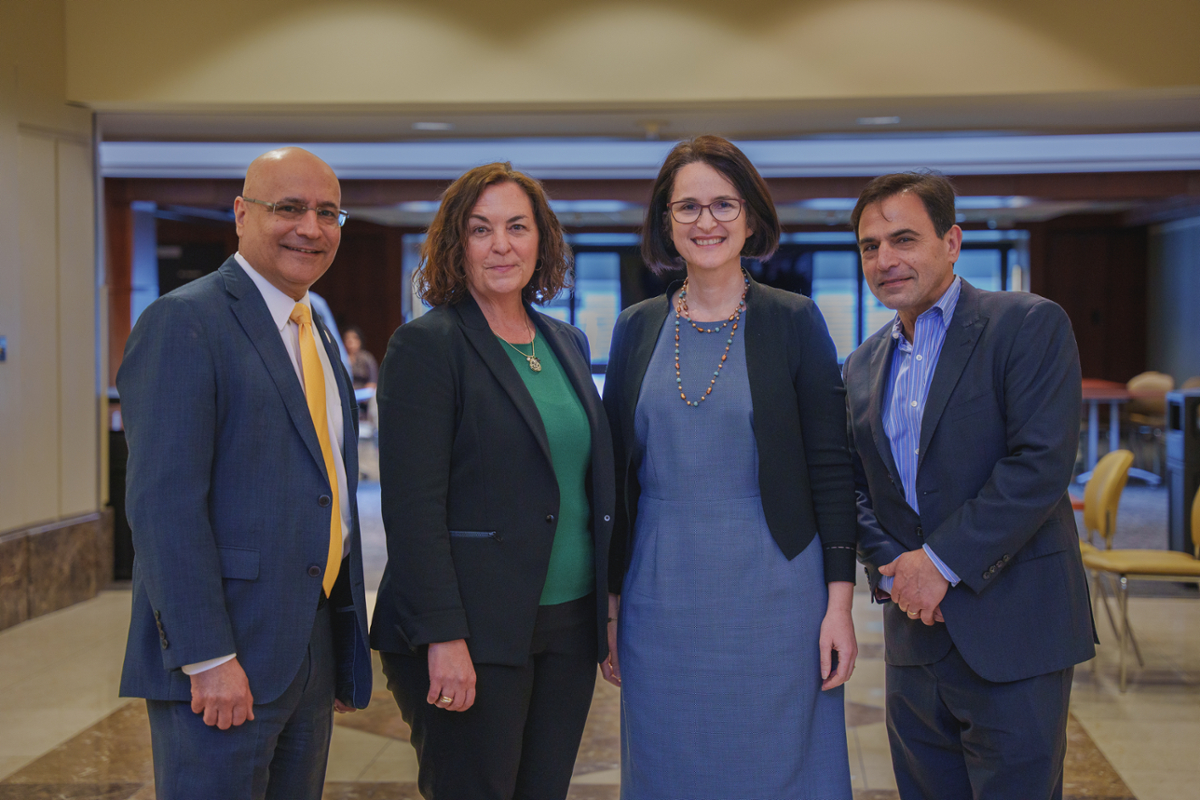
(964, 421)
(249, 620)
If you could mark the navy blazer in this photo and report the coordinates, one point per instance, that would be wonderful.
(799, 405)
(998, 441)
(228, 498)
(469, 495)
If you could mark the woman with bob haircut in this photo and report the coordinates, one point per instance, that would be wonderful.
(733, 557)
(497, 496)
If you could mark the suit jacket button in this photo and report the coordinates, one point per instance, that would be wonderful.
(164, 644)
(1005, 558)
(549, 518)
(920, 532)
(323, 501)
(314, 571)
(607, 518)
(158, 615)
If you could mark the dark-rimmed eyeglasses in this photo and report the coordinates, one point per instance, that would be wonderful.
(725, 209)
(295, 211)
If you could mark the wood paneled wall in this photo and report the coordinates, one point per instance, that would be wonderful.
(363, 287)
(1096, 270)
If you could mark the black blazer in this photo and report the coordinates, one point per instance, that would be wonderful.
(469, 496)
(998, 443)
(799, 424)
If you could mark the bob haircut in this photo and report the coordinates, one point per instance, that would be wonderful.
(441, 278)
(935, 190)
(658, 249)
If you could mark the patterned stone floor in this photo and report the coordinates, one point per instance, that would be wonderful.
(371, 759)
(65, 734)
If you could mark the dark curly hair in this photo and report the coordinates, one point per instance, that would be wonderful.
(658, 249)
(441, 278)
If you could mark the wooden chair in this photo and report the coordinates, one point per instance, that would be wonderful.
(1155, 565)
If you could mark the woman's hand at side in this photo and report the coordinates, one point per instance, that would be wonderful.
(451, 674)
(837, 634)
(611, 668)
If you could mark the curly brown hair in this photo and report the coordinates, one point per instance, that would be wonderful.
(441, 278)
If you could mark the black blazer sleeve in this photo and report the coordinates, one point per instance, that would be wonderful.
(614, 383)
(821, 397)
(418, 401)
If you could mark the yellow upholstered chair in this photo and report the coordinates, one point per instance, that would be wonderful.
(1158, 565)
(1101, 498)
(1102, 495)
(1148, 415)
(1149, 408)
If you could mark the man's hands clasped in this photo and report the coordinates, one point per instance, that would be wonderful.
(918, 586)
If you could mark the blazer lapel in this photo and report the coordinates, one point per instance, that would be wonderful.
(251, 311)
(479, 334)
(349, 405)
(961, 336)
(639, 361)
(881, 371)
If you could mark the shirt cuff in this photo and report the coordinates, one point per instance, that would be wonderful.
(204, 666)
(947, 573)
(885, 583)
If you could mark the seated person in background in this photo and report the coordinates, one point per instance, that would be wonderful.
(364, 369)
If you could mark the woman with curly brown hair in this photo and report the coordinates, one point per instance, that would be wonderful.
(497, 492)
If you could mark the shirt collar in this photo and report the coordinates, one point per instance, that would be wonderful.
(944, 308)
(278, 304)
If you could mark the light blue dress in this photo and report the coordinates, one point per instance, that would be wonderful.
(721, 677)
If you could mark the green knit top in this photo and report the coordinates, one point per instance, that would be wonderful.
(572, 572)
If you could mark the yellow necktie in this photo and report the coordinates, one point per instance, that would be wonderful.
(314, 390)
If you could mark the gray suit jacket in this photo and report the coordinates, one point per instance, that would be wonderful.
(998, 443)
(228, 498)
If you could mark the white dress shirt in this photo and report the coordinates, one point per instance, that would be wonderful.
(280, 306)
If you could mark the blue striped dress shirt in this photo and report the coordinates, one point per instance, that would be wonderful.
(913, 365)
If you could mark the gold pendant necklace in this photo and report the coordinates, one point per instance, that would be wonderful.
(534, 363)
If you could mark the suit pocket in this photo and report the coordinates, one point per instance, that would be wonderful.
(473, 535)
(970, 407)
(238, 563)
(1051, 538)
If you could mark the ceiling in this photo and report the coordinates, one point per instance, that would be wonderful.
(1016, 158)
(1143, 110)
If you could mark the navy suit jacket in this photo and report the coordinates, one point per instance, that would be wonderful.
(998, 442)
(228, 499)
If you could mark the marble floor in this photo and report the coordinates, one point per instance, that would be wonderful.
(65, 734)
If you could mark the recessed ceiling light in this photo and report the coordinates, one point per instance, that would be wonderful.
(433, 126)
(878, 120)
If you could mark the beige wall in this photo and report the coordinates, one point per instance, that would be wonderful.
(49, 404)
(137, 54)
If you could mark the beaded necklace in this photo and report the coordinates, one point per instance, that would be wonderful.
(681, 310)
